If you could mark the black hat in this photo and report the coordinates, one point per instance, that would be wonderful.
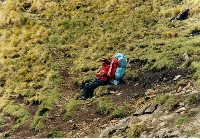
(105, 60)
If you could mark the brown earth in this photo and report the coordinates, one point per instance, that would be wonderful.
(87, 122)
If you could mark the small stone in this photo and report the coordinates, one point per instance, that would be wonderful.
(181, 109)
(177, 77)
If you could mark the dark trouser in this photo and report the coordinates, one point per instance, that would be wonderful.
(88, 89)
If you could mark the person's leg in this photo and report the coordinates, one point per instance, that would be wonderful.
(88, 89)
(93, 86)
(85, 90)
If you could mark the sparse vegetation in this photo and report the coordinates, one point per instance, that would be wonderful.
(56, 134)
(118, 113)
(71, 107)
(135, 131)
(171, 103)
(2, 121)
(168, 101)
(37, 124)
(21, 114)
(192, 99)
(181, 120)
(102, 90)
(39, 40)
(104, 106)
(161, 99)
(192, 113)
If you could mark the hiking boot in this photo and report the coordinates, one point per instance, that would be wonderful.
(82, 98)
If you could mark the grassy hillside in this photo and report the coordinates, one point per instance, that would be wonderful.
(40, 37)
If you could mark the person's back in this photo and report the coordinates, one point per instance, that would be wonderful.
(112, 69)
(117, 68)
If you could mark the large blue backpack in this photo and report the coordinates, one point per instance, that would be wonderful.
(120, 70)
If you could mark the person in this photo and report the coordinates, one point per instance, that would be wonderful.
(101, 79)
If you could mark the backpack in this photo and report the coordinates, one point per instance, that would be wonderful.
(118, 64)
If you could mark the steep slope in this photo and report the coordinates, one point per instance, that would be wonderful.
(49, 49)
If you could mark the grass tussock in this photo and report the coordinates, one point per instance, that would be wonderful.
(21, 114)
(38, 40)
(56, 134)
(71, 107)
(135, 131)
(192, 99)
(181, 121)
(118, 113)
(104, 106)
(170, 102)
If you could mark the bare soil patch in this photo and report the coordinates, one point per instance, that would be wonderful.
(86, 121)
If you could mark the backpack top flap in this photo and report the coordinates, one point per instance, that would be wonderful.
(122, 60)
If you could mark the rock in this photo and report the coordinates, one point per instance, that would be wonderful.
(179, 89)
(166, 117)
(112, 92)
(197, 135)
(163, 132)
(182, 113)
(187, 86)
(182, 15)
(162, 124)
(175, 133)
(176, 77)
(122, 124)
(151, 109)
(149, 92)
(144, 135)
(185, 56)
(159, 111)
(3, 2)
(181, 104)
(180, 110)
(140, 111)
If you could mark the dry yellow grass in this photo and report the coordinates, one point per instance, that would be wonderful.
(79, 32)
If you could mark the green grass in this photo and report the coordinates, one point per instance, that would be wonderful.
(2, 121)
(192, 99)
(71, 107)
(135, 131)
(102, 90)
(161, 99)
(18, 112)
(37, 42)
(170, 102)
(118, 113)
(56, 134)
(104, 106)
(192, 113)
(37, 124)
(181, 120)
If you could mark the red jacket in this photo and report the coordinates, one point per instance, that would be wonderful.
(104, 77)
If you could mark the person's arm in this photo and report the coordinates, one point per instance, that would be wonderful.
(100, 72)
(110, 68)
(97, 71)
